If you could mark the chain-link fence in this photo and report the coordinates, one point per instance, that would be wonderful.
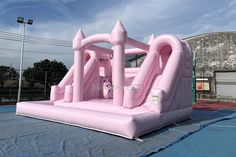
(38, 90)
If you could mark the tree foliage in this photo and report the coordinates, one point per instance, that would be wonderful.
(55, 72)
(29, 75)
(6, 73)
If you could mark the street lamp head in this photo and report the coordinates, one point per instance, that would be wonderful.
(30, 22)
(20, 19)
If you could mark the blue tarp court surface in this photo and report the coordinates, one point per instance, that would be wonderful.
(207, 134)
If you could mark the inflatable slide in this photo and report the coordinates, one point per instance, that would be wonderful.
(100, 93)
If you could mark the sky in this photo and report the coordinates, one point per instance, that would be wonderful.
(61, 19)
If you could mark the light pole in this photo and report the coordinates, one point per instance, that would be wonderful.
(29, 22)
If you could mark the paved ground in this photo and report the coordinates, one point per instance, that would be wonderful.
(213, 105)
(215, 140)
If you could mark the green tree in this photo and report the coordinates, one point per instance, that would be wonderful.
(29, 75)
(55, 72)
(7, 73)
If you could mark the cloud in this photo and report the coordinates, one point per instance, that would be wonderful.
(68, 1)
(220, 19)
(61, 7)
(7, 6)
(141, 19)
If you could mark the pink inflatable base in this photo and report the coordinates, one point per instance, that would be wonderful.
(104, 117)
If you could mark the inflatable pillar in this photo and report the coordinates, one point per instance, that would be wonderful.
(78, 67)
(118, 38)
(151, 39)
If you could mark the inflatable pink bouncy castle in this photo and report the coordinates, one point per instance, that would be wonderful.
(99, 93)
